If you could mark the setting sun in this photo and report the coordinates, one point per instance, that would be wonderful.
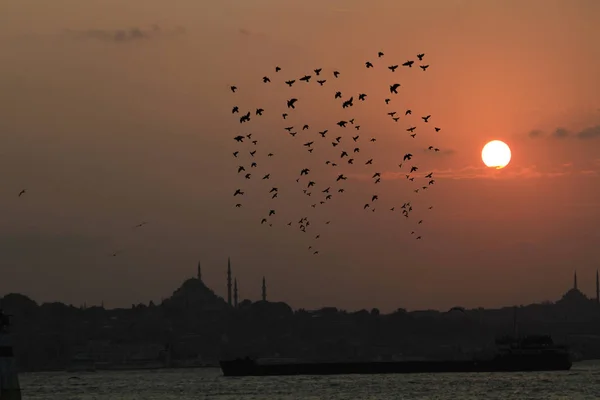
(496, 154)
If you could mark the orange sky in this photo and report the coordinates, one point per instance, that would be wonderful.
(105, 134)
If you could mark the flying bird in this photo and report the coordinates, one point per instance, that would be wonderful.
(291, 102)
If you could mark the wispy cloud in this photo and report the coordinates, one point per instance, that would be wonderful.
(124, 35)
(589, 133)
(561, 133)
(592, 132)
(529, 172)
(482, 172)
(535, 133)
(442, 152)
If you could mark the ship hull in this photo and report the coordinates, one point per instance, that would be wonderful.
(554, 362)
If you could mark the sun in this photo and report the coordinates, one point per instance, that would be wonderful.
(496, 154)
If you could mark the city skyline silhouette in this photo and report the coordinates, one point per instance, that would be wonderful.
(112, 116)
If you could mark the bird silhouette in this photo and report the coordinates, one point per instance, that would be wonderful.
(321, 186)
(291, 102)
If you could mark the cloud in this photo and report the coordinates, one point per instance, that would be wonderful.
(482, 172)
(124, 35)
(561, 133)
(592, 132)
(249, 33)
(443, 152)
(535, 133)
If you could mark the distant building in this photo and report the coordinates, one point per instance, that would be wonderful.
(228, 280)
(235, 293)
(576, 298)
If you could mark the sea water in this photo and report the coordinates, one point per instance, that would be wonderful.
(581, 382)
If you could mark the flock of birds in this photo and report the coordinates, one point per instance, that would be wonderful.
(349, 143)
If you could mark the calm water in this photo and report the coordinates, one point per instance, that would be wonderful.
(582, 382)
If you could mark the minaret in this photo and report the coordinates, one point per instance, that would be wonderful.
(235, 293)
(597, 288)
(199, 272)
(264, 290)
(575, 280)
(228, 281)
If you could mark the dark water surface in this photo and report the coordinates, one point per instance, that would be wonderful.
(582, 382)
